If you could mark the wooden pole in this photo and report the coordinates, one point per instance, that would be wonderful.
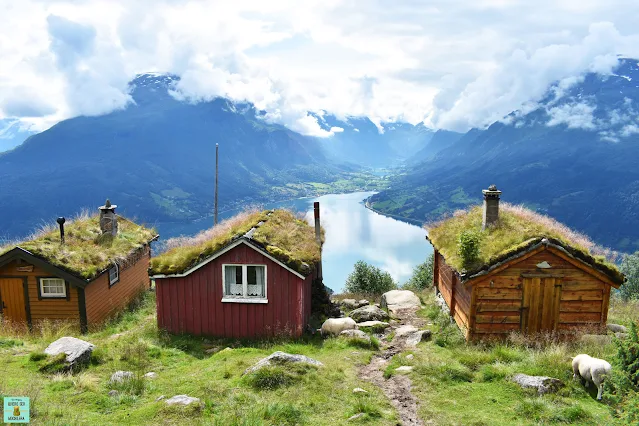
(217, 159)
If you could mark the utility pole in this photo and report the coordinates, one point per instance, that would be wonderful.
(217, 162)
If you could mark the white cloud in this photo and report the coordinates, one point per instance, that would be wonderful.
(575, 116)
(451, 63)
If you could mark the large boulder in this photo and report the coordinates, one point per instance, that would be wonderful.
(369, 313)
(349, 304)
(542, 384)
(334, 326)
(282, 358)
(356, 334)
(413, 339)
(405, 330)
(397, 300)
(78, 352)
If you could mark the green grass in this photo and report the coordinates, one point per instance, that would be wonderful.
(313, 396)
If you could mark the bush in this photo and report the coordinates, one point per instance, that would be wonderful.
(275, 377)
(422, 275)
(369, 279)
(630, 268)
(628, 354)
(468, 248)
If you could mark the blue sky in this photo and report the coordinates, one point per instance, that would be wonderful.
(452, 64)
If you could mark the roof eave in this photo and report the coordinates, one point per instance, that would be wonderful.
(20, 253)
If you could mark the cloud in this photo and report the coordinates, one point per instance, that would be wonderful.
(575, 116)
(453, 64)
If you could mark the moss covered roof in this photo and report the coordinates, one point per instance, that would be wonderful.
(279, 232)
(85, 253)
(517, 230)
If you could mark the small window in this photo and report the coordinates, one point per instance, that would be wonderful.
(114, 275)
(244, 283)
(53, 287)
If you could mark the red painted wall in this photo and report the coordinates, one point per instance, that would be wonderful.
(193, 304)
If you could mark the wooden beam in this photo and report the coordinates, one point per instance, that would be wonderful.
(584, 267)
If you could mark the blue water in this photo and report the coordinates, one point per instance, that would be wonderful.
(353, 233)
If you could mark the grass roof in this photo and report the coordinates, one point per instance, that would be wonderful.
(517, 228)
(282, 234)
(85, 253)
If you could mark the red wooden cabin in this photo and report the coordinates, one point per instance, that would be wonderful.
(246, 288)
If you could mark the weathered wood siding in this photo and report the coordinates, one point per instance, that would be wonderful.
(102, 301)
(45, 308)
(456, 295)
(193, 304)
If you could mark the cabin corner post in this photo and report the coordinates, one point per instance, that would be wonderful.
(605, 305)
(453, 304)
(472, 314)
(436, 270)
(82, 308)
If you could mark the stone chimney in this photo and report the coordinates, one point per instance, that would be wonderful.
(491, 206)
(108, 219)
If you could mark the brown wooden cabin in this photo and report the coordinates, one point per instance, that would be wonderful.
(45, 279)
(542, 285)
(247, 288)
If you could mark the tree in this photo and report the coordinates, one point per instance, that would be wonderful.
(369, 279)
(422, 275)
(630, 268)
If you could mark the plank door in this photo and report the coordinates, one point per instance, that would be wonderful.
(12, 303)
(540, 304)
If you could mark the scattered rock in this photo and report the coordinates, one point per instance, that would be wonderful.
(182, 400)
(357, 334)
(212, 350)
(369, 313)
(121, 376)
(226, 349)
(151, 375)
(349, 304)
(543, 384)
(334, 326)
(616, 328)
(373, 326)
(621, 335)
(113, 393)
(396, 300)
(439, 299)
(78, 351)
(410, 356)
(359, 390)
(405, 330)
(404, 369)
(116, 335)
(282, 358)
(363, 302)
(413, 339)
(160, 398)
(599, 339)
(355, 417)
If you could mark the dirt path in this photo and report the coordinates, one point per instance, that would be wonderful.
(398, 387)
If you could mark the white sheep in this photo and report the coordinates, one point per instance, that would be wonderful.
(335, 326)
(592, 370)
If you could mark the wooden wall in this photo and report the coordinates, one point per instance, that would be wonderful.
(456, 295)
(102, 301)
(193, 304)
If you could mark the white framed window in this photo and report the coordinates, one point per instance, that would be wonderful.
(53, 287)
(244, 283)
(114, 275)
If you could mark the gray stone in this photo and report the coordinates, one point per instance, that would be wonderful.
(355, 417)
(334, 326)
(282, 358)
(183, 400)
(369, 313)
(372, 326)
(113, 393)
(349, 304)
(616, 328)
(160, 398)
(543, 384)
(363, 302)
(78, 351)
(405, 330)
(397, 300)
(404, 369)
(621, 335)
(355, 334)
(413, 339)
(410, 356)
(151, 375)
(359, 390)
(121, 376)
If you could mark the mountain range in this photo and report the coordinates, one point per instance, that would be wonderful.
(574, 156)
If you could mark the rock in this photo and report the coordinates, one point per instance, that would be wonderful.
(151, 375)
(404, 369)
(543, 384)
(121, 376)
(363, 302)
(369, 313)
(373, 326)
(599, 339)
(160, 398)
(359, 390)
(621, 335)
(183, 400)
(410, 356)
(356, 334)
(396, 300)
(616, 328)
(405, 330)
(413, 339)
(349, 304)
(113, 393)
(78, 351)
(282, 358)
(334, 326)
(355, 417)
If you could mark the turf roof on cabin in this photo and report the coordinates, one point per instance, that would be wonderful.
(86, 252)
(279, 232)
(518, 229)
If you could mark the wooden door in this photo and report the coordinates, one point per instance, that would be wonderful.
(540, 304)
(12, 303)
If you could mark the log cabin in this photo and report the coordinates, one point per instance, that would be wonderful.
(530, 273)
(250, 276)
(84, 273)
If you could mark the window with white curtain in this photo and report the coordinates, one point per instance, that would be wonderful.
(244, 282)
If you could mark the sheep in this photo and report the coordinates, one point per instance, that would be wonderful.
(592, 370)
(335, 326)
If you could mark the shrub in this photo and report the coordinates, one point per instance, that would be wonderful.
(8, 343)
(369, 279)
(274, 377)
(468, 248)
(283, 414)
(628, 354)
(422, 275)
(630, 268)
